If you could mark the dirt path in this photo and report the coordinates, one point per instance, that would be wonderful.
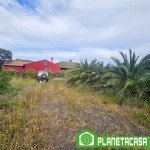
(46, 116)
(64, 111)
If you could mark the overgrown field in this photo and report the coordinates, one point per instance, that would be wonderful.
(46, 116)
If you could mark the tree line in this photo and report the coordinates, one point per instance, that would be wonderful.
(127, 78)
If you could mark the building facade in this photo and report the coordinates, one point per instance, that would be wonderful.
(28, 65)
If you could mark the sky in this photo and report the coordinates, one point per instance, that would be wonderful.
(74, 29)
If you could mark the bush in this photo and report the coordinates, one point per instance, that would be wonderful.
(12, 72)
(60, 74)
(30, 73)
(142, 118)
(4, 82)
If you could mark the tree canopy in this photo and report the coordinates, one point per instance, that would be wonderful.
(5, 55)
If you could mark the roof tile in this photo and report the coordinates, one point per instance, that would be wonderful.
(17, 63)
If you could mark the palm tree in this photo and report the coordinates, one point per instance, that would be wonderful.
(130, 74)
(86, 73)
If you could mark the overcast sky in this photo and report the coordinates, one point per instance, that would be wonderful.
(74, 29)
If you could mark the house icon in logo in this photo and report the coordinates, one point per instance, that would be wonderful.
(86, 139)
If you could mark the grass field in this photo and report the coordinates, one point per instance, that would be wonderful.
(46, 116)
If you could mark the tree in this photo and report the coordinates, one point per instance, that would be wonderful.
(5, 55)
(86, 73)
(132, 76)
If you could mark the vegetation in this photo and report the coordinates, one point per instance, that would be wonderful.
(30, 74)
(48, 115)
(131, 78)
(12, 72)
(4, 82)
(126, 79)
(86, 73)
(5, 55)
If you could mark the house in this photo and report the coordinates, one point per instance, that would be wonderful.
(21, 65)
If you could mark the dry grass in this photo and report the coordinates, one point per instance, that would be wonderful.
(48, 115)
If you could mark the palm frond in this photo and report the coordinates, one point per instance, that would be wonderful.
(116, 60)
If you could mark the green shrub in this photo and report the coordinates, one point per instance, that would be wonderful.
(12, 72)
(142, 118)
(4, 82)
(60, 74)
(4, 103)
(30, 73)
